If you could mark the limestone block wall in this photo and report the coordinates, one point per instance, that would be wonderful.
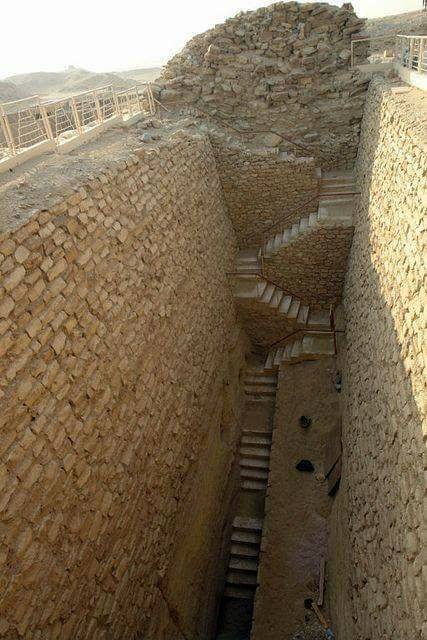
(313, 266)
(376, 533)
(278, 75)
(119, 402)
(264, 192)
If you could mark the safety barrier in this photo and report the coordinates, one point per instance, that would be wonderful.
(30, 127)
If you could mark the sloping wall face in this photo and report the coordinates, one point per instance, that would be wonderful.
(376, 586)
(119, 404)
(278, 75)
(265, 192)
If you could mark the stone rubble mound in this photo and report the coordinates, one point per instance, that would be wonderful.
(277, 75)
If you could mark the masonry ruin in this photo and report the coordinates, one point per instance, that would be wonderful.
(191, 306)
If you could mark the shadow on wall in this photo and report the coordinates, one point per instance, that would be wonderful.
(376, 584)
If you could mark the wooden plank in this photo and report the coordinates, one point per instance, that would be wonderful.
(334, 478)
(332, 448)
(321, 582)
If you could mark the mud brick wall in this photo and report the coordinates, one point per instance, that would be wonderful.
(376, 565)
(264, 192)
(119, 368)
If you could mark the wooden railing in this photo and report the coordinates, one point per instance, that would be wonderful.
(411, 52)
(30, 125)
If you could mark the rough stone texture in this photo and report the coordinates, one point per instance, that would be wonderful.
(313, 266)
(119, 377)
(278, 75)
(264, 324)
(297, 507)
(376, 532)
(264, 192)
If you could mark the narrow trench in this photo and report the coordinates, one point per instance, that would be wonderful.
(237, 604)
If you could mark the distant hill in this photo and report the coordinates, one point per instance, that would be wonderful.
(150, 74)
(73, 80)
(9, 91)
(413, 22)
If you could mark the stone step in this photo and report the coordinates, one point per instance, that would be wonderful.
(260, 475)
(303, 224)
(313, 218)
(257, 432)
(303, 314)
(246, 537)
(248, 255)
(243, 564)
(242, 523)
(318, 344)
(246, 286)
(278, 356)
(244, 551)
(296, 348)
(276, 298)
(246, 593)
(260, 390)
(253, 485)
(294, 308)
(261, 453)
(285, 304)
(318, 318)
(336, 212)
(254, 464)
(256, 440)
(259, 379)
(249, 268)
(268, 293)
(237, 577)
(286, 236)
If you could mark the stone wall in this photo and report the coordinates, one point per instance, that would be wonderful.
(119, 402)
(376, 544)
(264, 191)
(280, 76)
(313, 266)
(295, 528)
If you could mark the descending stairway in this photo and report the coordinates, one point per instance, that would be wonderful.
(256, 288)
(335, 210)
(302, 347)
(333, 182)
(254, 460)
(255, 444)
(241, 580)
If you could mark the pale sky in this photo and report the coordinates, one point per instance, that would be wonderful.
(49, 35)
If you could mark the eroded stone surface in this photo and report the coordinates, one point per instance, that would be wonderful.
(376, 532)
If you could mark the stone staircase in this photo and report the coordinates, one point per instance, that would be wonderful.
(334, 211)
(256, 288)
(254, 460)
(241, 579)
(255, 444)
(303, 347)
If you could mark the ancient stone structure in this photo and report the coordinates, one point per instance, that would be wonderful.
(277, 76)
(377, 537)
(171, 306)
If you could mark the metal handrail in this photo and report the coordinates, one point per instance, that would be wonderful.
(261, 276)
(304, 204)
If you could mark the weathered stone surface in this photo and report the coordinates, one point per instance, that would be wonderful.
(376, 529)
(118, 372)
(275, 75)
